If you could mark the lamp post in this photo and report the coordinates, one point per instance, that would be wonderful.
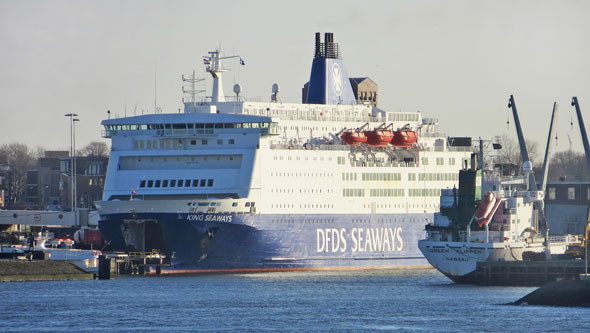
(72, 158)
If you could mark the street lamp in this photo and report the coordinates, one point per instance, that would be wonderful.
(72, 157)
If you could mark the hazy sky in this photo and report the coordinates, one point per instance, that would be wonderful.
(457, 61)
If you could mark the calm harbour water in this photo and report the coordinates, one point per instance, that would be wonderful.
(393, 300)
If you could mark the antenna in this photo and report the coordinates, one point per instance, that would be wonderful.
(192, 90)
(213, 62)
(155, 89)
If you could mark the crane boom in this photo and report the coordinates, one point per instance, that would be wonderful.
(584, 135)
(548, 149)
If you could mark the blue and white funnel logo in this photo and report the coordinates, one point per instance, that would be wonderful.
(337, 79)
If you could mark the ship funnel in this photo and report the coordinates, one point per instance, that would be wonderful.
(328, 82)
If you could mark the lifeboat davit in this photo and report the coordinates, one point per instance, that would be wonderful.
(404, 137)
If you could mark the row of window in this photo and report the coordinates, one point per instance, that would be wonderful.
(437, 176)
(298, 158)
(301, 174)
(174, 144)
(439, 161)
(393, 192)
(133, 127)
(424, 192)
(571, 193)
(375, 176)
(176, 183)
(386, 192)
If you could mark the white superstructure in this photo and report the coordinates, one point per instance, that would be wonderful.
(282, 171)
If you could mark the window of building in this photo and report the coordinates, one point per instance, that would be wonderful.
(210, 182)
(158, 183)
(173, 183)
(142, 184)
(195, 182)
(204, 142)
(180, 182)
(219, 142)
(551, 193)
(165, 183)
(150, 183)
(571, 193)
(231, 141)
(193, 142)
(187, 183)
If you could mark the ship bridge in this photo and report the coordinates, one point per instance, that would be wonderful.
(183, 124)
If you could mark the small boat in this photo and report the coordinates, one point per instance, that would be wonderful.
(354, 137)
(380, 136)
(61, 249)
(404, 137)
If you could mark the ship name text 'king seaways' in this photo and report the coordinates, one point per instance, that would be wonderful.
(236, 185)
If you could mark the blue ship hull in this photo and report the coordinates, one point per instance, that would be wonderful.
(258, 242)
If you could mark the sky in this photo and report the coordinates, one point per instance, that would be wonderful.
(457, 61)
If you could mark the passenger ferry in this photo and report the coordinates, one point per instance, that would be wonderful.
(236, 185)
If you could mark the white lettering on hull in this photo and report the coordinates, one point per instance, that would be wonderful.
(360, 240)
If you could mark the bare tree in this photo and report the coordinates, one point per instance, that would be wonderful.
(510, 152)
(19, 158)
(95, 148)
(567, 165)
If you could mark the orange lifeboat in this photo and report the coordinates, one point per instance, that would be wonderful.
(404, 137)
(354, 137)
(486, 209)
(380, 136)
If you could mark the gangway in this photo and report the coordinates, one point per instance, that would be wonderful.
(78, 218)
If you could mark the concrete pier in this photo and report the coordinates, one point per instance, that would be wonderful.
(527, 273)
(133, 263)
(41, 270)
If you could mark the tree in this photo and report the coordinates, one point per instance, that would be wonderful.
(567, 165)
(19, 158)
(510, 153)
(95, 148)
